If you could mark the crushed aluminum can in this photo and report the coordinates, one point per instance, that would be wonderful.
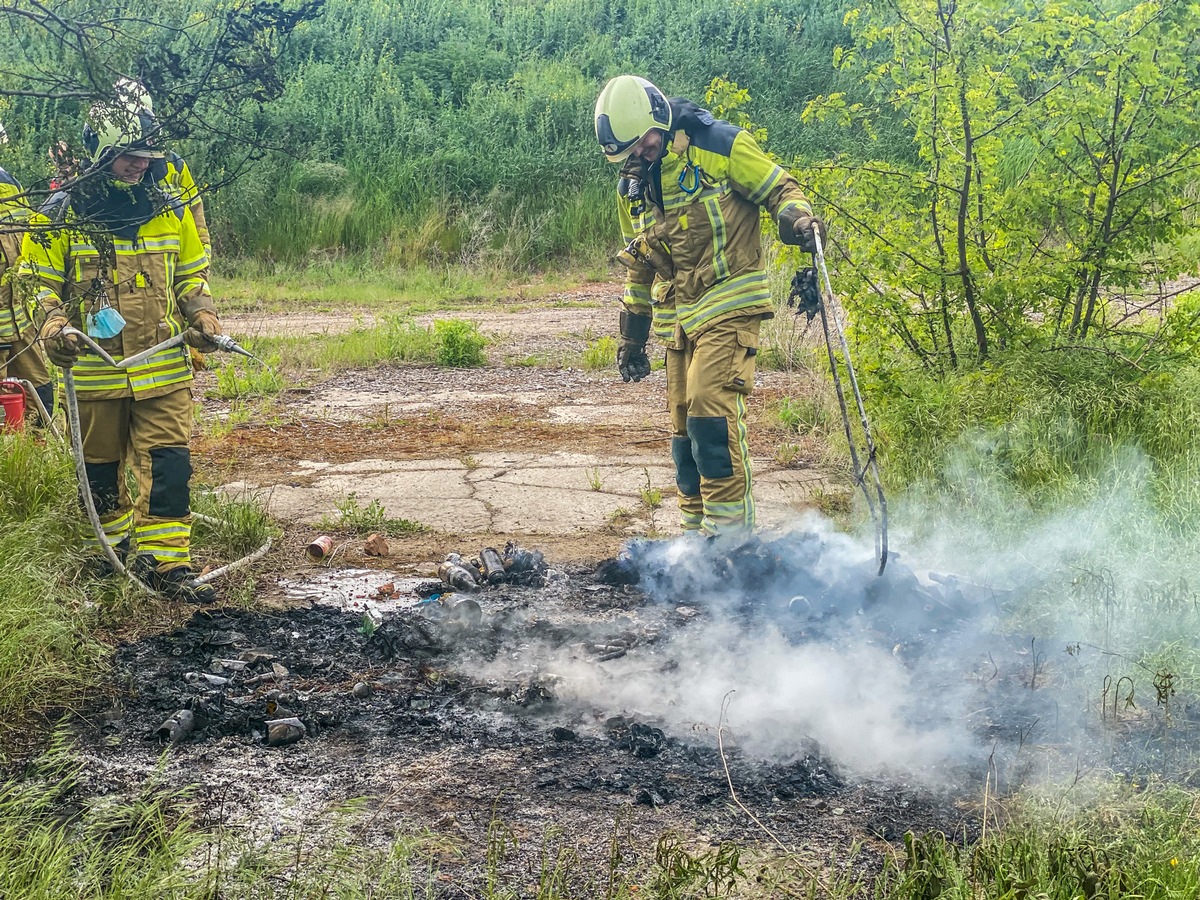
(203, 678)
(177, 727)
(320, 548)
(281, 732)
(466, 612)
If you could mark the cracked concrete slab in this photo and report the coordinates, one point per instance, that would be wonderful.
(555, 493)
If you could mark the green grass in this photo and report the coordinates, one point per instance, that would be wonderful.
(46, 653)
(1094, 840)
(600, 355)
(57, 842)
(447, 342)
(242, 379)
(238, 526)
(359, 282)
(1053, 427)
(358, 519)
(50, 596)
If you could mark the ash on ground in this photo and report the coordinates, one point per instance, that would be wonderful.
(652, 690)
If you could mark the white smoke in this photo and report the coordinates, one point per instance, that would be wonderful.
(1087, 596)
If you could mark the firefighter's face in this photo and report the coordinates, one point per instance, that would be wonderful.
(129, 168)
(650, 147)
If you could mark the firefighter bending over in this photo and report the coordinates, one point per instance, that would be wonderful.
(690, 191)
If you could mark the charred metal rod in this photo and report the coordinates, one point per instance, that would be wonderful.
(879, 515)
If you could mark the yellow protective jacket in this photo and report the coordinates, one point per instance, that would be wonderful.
(172, 174)
(158, 283)
(712, 235)
(14, 213)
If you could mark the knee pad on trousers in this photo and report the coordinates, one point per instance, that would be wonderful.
(103, 480)
(687, 476)
(170, 471)
(710, 445)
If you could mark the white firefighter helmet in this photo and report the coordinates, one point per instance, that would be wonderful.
(628, 109)
(113, 129)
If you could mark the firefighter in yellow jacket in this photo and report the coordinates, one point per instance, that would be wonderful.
(21, 356)
(689, 197)
(169, 171)
(119, 258)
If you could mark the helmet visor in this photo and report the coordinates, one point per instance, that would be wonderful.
(615, 150)
(144, 152)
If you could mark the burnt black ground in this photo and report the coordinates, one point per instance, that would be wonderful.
(433, 747)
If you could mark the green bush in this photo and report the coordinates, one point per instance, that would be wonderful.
(1051, 426)
(459, 343)
(600, 355)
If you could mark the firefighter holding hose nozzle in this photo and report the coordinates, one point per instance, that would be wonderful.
(117, 257)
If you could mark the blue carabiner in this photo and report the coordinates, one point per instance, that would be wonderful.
(695, 178)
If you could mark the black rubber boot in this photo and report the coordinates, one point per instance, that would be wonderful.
(174, 584)
(102, 567)
(180, 584)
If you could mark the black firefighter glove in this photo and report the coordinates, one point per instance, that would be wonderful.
(63, 349)
(797, 229)
(632, 361)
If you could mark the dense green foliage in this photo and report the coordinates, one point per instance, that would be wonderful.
(1056, 167)
(1053, 427)
(456, 131)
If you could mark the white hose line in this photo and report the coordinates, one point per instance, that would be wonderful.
(236, 564)
(85, 487)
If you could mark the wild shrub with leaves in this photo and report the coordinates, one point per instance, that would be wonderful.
(1056, 149)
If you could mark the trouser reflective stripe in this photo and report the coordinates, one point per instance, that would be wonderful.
(117, 528)
(708, 379)
(150, 436)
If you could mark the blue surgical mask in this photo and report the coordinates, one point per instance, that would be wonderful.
(105, 323)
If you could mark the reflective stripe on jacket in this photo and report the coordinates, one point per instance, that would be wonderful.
(14, 314)
(175, 178)
(158, 284)
(713, 235)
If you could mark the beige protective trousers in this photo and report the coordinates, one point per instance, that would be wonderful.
(708, 380)
(151, 436)
(24, 359)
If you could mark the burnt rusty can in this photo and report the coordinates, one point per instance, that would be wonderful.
(493, 566)
(281, 732)
(458, 576)
(320, 548)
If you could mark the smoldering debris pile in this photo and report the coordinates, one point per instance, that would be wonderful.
(802, 578)
(899, 677)
(516, 566)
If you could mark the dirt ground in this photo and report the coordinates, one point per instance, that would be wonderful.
(566, 462)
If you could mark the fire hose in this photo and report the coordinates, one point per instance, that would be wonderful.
(222, 342)
(807, 295)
